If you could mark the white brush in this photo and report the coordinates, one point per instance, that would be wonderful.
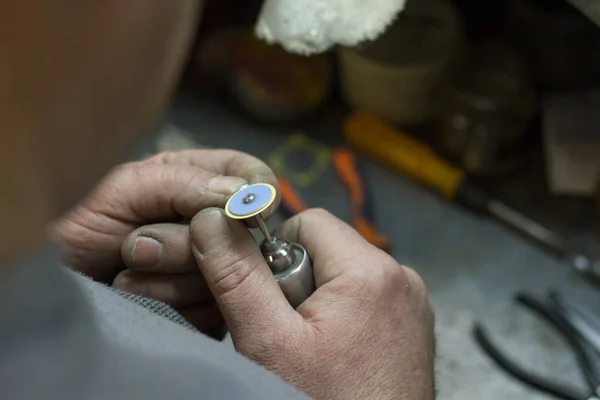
(313, 26)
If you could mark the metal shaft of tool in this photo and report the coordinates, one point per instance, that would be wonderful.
(527, 226)
(262, 225)
(551, 240)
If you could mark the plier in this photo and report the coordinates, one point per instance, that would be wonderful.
(345, 165)
(553, 310)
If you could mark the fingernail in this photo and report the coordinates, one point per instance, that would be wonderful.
(209, 229)
(147, 252)
(226, 185)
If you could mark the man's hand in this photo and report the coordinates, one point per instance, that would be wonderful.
(132, 231)
(367, 331)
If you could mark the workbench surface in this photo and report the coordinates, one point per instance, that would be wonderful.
(472, 266)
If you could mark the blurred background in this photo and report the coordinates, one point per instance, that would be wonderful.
(464, 141)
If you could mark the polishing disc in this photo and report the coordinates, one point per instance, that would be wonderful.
(250, 201)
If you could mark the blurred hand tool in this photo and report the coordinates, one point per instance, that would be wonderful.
(414, 159)
(585, 355)
(289, 262)
(344, 164)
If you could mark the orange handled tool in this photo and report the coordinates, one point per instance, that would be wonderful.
(345, 166)
(290, 198)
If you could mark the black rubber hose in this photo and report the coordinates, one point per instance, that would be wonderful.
(537, 382)
(555, 318)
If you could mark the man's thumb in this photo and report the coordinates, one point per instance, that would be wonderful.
(246, 291)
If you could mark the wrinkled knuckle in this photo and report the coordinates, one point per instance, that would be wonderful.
(119, 177)
(395, 276)
(363, 279)
(190, 178)
(415, 280)
(180, 172)
(227, 278)
(383, 278)
(418, 293)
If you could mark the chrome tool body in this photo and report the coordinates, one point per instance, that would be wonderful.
(289, 262)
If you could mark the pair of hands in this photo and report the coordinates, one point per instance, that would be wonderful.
(157, 228)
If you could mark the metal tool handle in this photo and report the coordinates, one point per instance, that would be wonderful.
(293, 271)
(289, 262)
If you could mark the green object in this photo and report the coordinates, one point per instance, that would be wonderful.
(299, 142)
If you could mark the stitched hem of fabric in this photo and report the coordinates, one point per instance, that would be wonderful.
(157, 307)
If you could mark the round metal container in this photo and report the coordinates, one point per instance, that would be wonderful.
(396, 76)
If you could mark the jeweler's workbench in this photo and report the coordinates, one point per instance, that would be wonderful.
(472, 266)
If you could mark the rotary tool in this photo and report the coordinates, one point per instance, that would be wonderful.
(289, 262)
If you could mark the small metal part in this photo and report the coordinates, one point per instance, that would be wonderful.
(278, 253)
(586, 267)
(581, 263)
(250, 201)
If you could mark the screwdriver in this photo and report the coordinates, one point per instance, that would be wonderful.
(289, 262)
(408, 156)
